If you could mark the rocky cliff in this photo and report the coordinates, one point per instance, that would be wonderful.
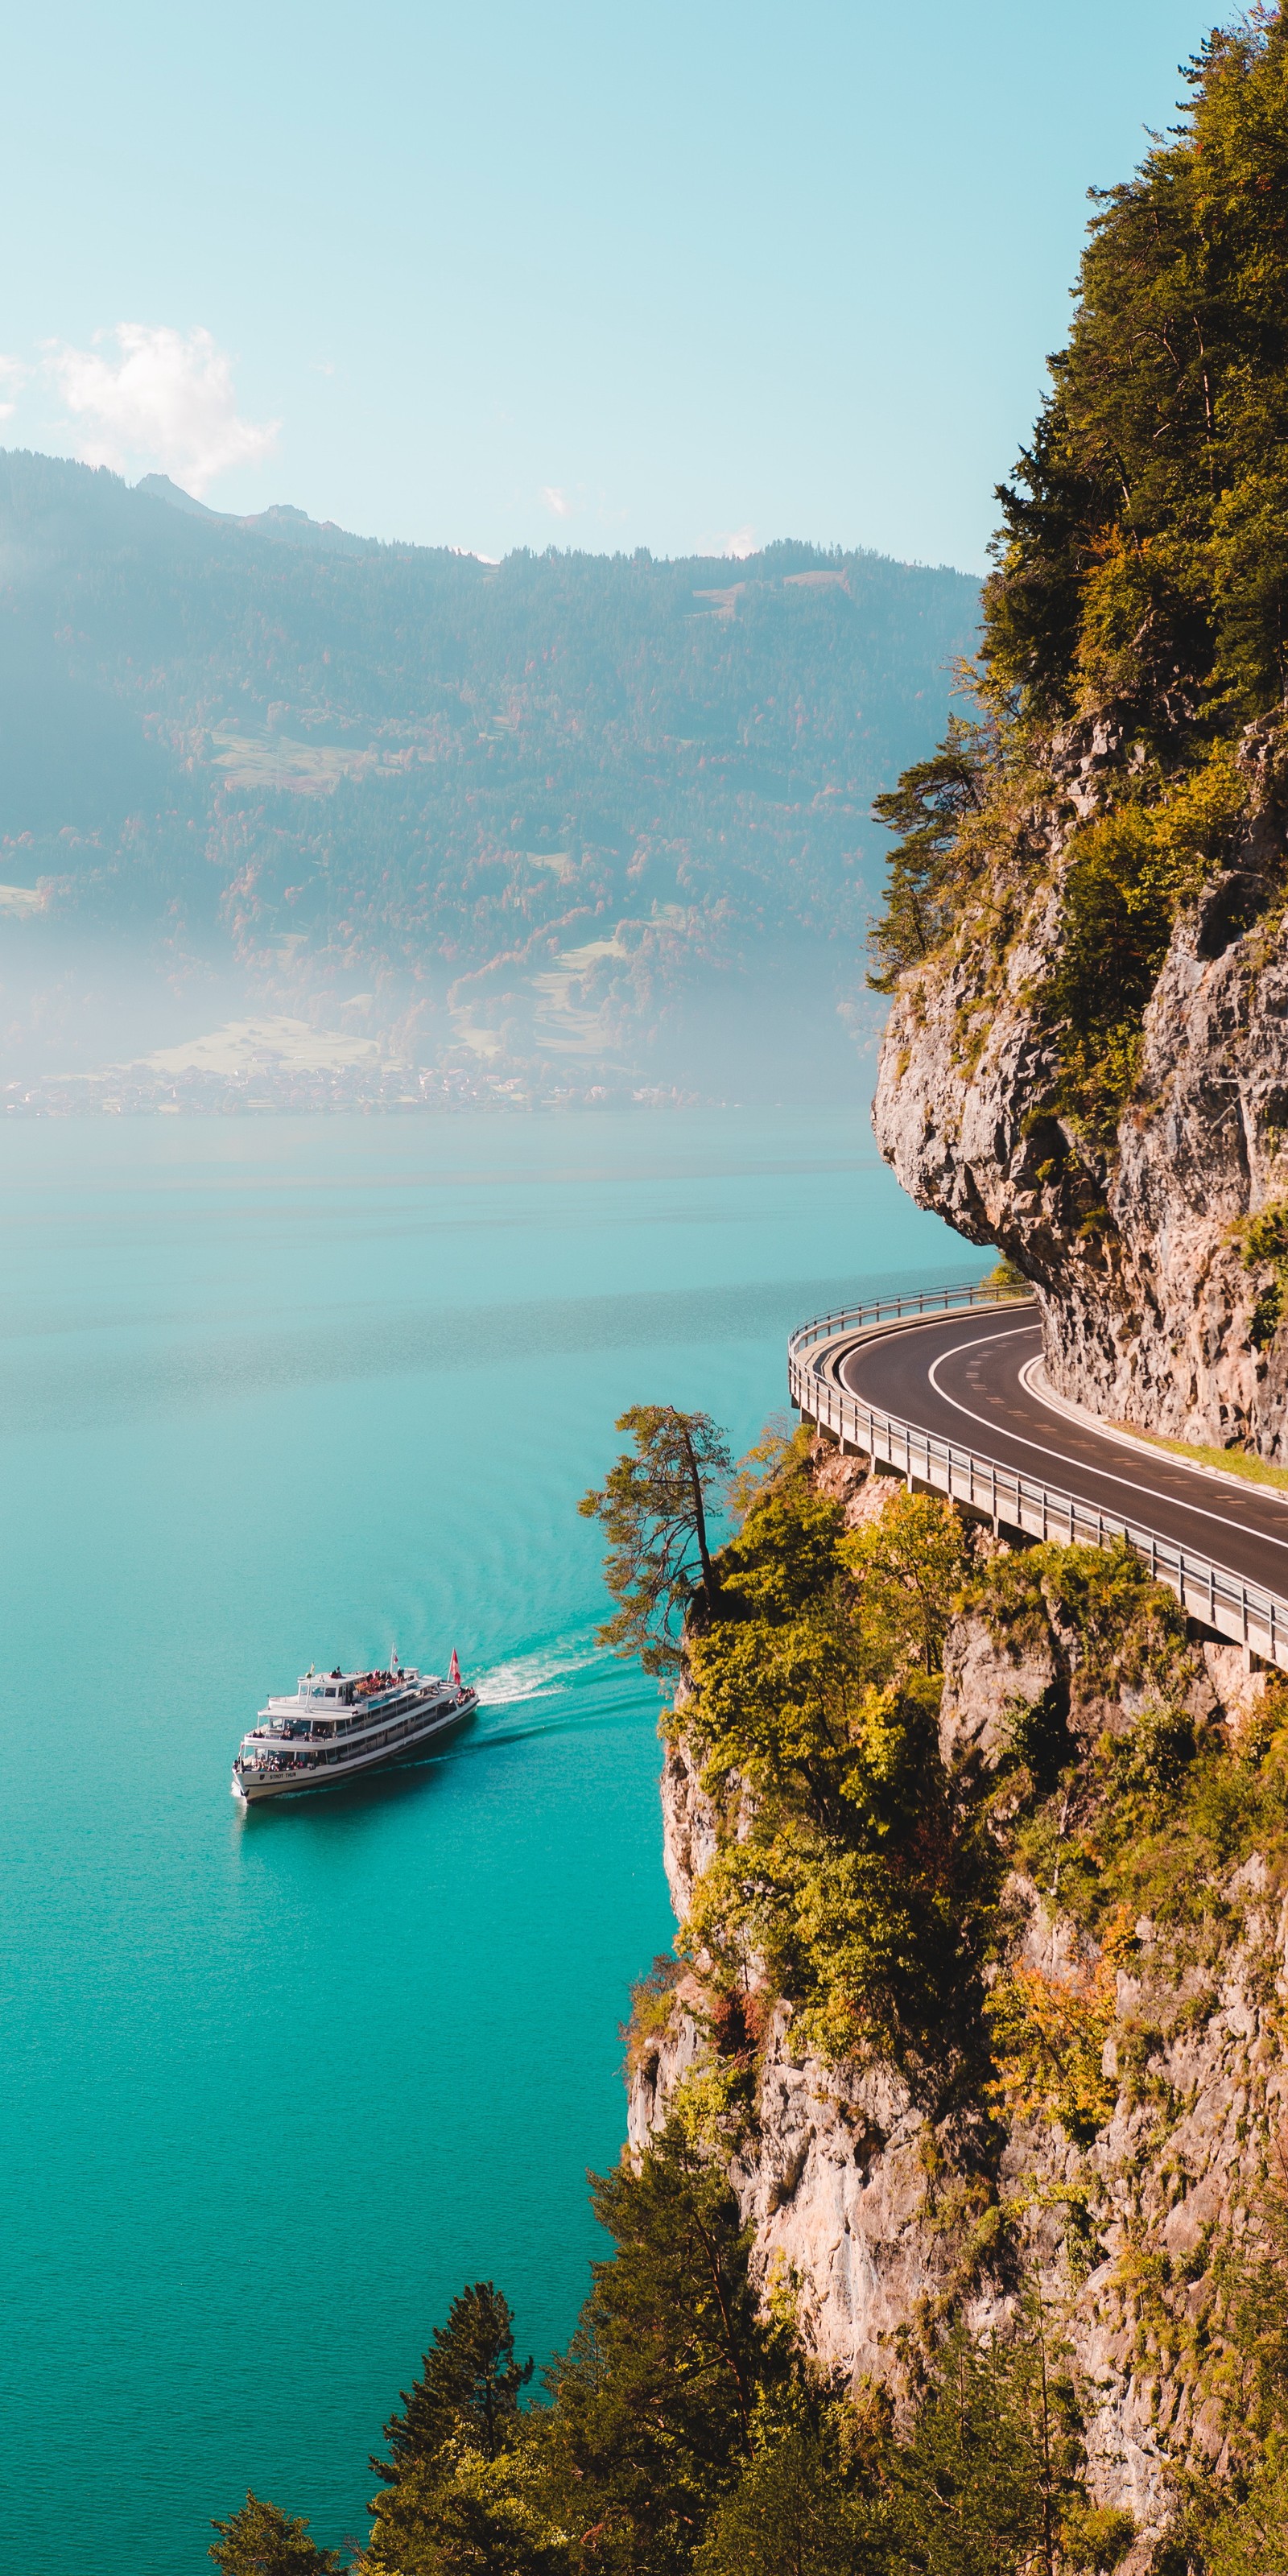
(1117, 2165)
(1158, 1308)
(1087, 1059)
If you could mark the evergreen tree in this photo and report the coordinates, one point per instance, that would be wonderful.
(262, 2541)
(1143, 551)
(469, 2516)
(990, 2477)
(1248, 2524)
(1250, 2534)
(927, 809)
(654, 1507)
(655, 2398)
(795, 2512)
(468, 2388)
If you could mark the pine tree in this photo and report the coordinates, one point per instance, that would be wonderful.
(655, 2398)
(468, 2516)
(1247, 2531)
(654, 1507)
(262, 2541)
(990, 2478)
(795, 2512)
(927, 810)
(468, 2388)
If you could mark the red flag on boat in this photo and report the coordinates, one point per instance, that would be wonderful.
(454, 1671)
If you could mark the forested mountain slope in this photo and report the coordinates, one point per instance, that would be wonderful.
(530, 806)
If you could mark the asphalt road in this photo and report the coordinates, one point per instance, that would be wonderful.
(959, 1376)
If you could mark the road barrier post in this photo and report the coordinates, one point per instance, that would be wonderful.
(1232, 1610)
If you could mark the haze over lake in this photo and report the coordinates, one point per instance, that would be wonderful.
(279, 1391)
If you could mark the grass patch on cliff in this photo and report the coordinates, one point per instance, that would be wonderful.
(1230, 1462)
(1154, 1820)
(652, 2006)
(1128, 876)
(1263, 1241)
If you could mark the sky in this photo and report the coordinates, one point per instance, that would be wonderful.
(687, 275)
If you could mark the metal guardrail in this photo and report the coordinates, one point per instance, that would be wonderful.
(1211, 1593)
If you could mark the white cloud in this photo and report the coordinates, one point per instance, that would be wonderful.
(739, 542)
(557, 502)
(12, 372)
(166, 400)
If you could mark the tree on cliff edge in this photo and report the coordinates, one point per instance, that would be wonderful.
(468, 2388)
(1139, 595)
(654, 1506)
(261, 2540)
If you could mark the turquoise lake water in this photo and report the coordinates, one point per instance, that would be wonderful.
(292, 1390)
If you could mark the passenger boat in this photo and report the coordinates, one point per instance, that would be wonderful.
(338, 1724)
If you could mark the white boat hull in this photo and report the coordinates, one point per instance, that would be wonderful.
(303, 1778)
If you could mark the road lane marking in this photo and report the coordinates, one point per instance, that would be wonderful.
(1139, 1443)
(1155, 1493)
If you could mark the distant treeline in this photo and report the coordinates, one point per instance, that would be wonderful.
(406, 762)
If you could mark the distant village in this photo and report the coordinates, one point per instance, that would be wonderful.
(140, 1091)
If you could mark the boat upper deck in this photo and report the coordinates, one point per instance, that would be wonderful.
(323, 1694)
(330, 1704)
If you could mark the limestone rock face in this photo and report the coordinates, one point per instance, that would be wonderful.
(1147, 1307)
(833, 2179)
(688, 1827)
(877, 2193)
(861, 1491)
(988, 1687)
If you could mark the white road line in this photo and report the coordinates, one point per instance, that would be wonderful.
(1139, 1443)
(1155, 1494)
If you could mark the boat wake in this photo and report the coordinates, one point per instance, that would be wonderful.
(541, 1674)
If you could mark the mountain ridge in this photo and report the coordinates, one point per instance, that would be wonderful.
(281, 520)
(560, 811)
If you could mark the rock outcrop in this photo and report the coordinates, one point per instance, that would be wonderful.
(879, 2215)
(884, 2197)
(1150, 1314)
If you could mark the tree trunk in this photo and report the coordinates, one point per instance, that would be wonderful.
(709, 1584)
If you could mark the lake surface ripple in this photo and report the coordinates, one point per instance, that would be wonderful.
(286, 1390)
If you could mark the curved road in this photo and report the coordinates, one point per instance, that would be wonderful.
(958, 1376)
